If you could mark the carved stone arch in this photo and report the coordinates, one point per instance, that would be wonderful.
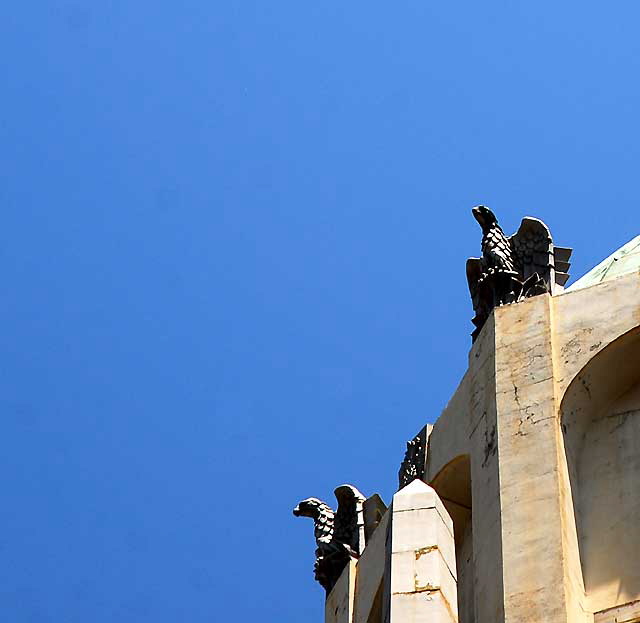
(600, 421)
(453, 485)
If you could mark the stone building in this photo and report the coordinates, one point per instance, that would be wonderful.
(521, 503)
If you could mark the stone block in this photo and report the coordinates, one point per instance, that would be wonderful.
(422, 582)
(339, 605)
(370, 571)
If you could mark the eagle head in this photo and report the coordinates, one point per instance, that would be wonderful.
(484, 216)
(308, 508)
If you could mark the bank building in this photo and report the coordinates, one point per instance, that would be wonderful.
(521, 503)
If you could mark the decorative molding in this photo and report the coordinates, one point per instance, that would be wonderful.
(415, 457)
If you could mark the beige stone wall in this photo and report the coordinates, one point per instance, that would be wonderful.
(597, 343)
(532, 545)
(600, 419)
(421, 558)
(586, 321)
(466, 434)
(542, 505)
(466, 576)
(609, 504)
(536, 460)
(339, 606)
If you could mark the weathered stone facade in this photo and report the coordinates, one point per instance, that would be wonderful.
(528, 510)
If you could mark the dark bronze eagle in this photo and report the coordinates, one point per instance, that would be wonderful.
(513, 268)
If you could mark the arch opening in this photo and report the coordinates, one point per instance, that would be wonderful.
(453, 486)
(600, 418)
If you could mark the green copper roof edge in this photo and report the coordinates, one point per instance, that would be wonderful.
(602, 271)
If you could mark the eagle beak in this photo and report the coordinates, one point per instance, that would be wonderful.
(477, 214)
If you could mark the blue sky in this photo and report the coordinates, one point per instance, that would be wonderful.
(233, 252)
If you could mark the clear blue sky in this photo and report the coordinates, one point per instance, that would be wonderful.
(233, 254)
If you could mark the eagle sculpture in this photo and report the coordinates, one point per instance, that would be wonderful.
(412, 466)
(340, 536)
(513, 268)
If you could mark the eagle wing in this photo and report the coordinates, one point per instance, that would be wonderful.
(561, 256)
(496, 250)
(533, 250)
(474, 272)
(349, 519)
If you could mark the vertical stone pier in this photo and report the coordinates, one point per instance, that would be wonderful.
(340, 601)
(421, 576)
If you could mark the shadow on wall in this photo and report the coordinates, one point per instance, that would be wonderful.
(453, 485)
(600, 417)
